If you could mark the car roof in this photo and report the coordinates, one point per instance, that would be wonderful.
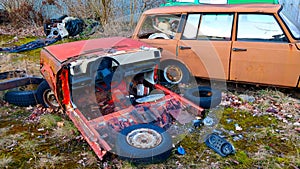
(63, 52)
(263, 8)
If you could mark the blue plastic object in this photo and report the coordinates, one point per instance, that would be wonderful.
(181, 151)
(197, 123)
(219, 145)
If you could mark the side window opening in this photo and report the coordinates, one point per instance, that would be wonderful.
(159, 27)
(259, 27)
(191, 26)
(209, 28)
(291, 26)
(215, 27)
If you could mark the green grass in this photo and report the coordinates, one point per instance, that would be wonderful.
(49, 120)
(261, 147)
(5, 160)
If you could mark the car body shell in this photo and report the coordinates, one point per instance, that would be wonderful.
(231, 59)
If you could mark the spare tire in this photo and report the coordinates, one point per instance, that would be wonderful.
(204, 96)
(21, 98)
(144, 143)
(45, 95)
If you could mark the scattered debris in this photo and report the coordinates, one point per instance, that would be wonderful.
(55, 31)
(181, 150)
(238, 137)
(41, 129)
(197, 123)
(71, 26)
(229, 120)
(208, 121)
(218, 132)
(274, 103)
(237, 127)
(219, 145)
(60, 124)
(247, 98)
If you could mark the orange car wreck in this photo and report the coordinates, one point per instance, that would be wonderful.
(251, 43)
(108, 89)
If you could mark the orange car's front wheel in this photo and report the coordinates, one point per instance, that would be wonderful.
(175, 73)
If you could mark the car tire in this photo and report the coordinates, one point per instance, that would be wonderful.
(174, 73)
(45, 95)
(204, 96)
(131, 146)
(21, 98)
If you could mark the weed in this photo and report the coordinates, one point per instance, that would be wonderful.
(23, 12)
(29, 145)
(49, 120)
(68, 131)
(3, 131)
(9, 142)
(5, 160)
(243, 158)
(49, 161)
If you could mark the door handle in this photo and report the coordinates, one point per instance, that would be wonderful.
(239, 49)
(184, 47)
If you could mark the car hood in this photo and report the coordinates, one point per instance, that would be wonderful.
(63, 52)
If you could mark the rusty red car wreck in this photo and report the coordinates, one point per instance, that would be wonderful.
(108, 89)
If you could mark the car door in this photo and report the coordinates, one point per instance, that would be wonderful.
(205, 45)
(159, 31)
(262, 53)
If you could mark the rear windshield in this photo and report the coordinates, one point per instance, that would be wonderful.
(292, 27)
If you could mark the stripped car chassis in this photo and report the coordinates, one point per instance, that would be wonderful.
(102, 132)
(17, 78)
(108, 87)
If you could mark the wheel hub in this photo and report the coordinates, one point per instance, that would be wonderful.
(173, 73)
(50, 99)
(144, 138)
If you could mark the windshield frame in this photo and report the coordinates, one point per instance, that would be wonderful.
(292, 28)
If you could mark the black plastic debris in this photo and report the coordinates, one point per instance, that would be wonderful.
(219, 145)
(71, 26)
(74, 26)
(31, 45)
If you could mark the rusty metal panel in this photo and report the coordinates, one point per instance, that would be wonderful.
(17, 82)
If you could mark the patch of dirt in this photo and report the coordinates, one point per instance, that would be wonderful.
(10, 61)
(22, 32)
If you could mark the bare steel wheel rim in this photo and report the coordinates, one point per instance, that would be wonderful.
(50, 99)
(173, 74)
(144, 138)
